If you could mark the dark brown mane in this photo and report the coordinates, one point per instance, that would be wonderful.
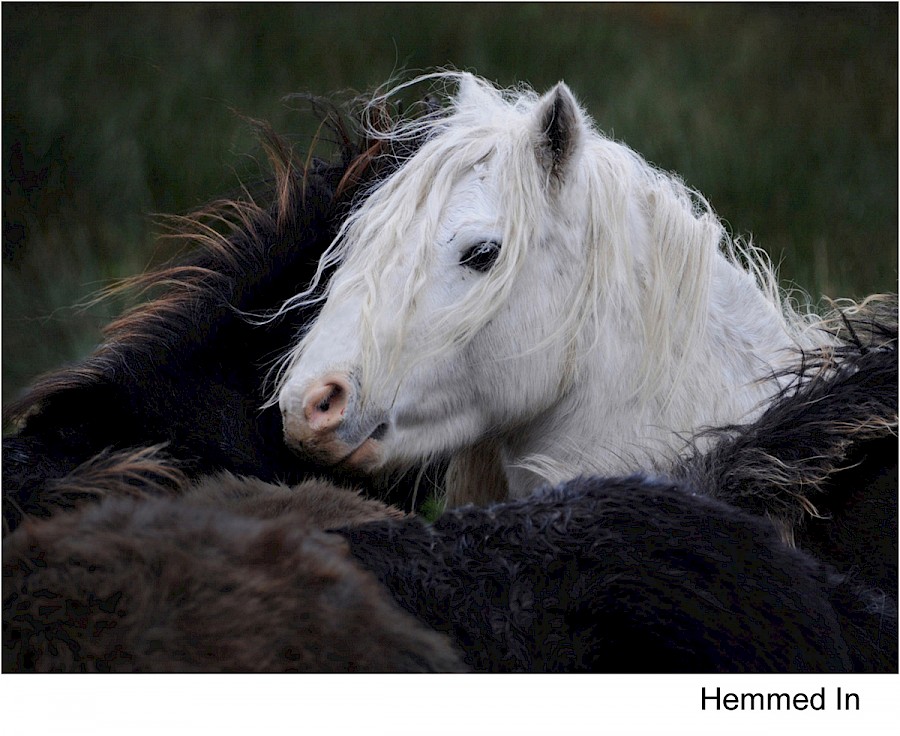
(223, 231)
(135, 473)
(186, 367)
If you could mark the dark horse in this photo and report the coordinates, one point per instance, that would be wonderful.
(186, 370)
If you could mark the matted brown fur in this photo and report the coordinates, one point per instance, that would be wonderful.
(160, 585)
(320, 503)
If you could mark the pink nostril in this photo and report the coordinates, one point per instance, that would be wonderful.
(324, 404)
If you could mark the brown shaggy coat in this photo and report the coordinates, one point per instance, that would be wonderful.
(171, 585)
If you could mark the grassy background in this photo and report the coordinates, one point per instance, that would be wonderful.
(785, 117)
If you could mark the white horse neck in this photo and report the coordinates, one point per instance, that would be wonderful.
(602, 426)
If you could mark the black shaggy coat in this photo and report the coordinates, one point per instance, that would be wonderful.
(190, 376)
(631, 575)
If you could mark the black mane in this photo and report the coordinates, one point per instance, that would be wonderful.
(821, 461)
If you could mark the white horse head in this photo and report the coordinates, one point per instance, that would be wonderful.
(523, 283)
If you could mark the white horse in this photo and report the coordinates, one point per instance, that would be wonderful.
(534, 300)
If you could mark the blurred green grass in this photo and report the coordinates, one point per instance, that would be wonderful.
(785, 117)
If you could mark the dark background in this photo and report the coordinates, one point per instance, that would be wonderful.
(785, 117)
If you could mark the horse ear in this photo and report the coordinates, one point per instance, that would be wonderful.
(470, 93)
(559, 122)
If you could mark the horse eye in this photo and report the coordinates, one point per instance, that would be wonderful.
(481, 257)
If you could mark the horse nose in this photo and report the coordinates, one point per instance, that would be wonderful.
(325, 402)
(321, 421)
(312, 415)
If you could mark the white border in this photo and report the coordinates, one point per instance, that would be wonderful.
(461, 705)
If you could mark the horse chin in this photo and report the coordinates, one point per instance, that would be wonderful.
(364, 459)
(331, 451)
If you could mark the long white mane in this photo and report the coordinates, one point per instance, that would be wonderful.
(666, 297)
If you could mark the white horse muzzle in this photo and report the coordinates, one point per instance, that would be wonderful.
(323, 420)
